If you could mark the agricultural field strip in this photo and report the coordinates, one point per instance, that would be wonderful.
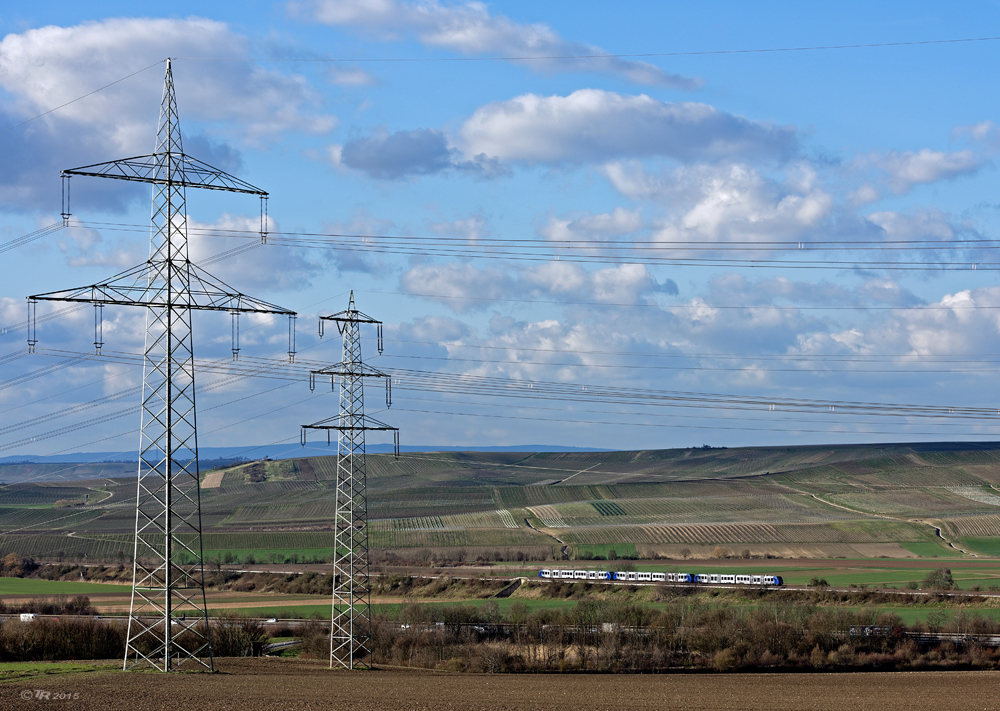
(548, 516)
(976, 494)
(608, 474)
(13, 519)
(416, 523)
(497, 465)
(451, 522)
(738, 533)
(864, 514)
(977, 526)
(491, 539)
(940, 499)
(907, 503)
(765, 508)
(325, 510)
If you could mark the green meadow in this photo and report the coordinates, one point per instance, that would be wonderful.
(31, 586)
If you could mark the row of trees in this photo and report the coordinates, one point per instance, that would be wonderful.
(595, 635)
(50, 605)
(611, 636)
(49, 639)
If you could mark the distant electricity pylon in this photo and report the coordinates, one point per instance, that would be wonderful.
(350, 626)
(168, 619)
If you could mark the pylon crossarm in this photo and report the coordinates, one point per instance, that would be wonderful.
(350, 317)
(363, 424)
(176, 169)
(134, 288)
(359, 370)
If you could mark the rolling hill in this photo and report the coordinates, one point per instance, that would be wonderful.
(822, 501)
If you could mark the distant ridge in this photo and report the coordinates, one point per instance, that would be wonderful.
(707, 461)
(210, 454)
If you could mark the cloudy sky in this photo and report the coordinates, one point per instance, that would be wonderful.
(583, 224)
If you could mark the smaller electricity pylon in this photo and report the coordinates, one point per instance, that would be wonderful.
(350, 622)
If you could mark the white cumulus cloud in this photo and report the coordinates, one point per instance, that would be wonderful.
(43, 68)
(470, 29)
(904, 170)
(728, 203)
(595, 125)
(599, 226)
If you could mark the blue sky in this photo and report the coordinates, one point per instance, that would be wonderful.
(608, 164)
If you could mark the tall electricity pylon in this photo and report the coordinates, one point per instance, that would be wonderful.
(350, 628)
(168, 619)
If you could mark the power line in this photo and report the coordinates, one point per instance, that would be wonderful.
(463, 383)
(653, 424)
(794, 244)
(31, 236)
(79, 98)
(699, 305)
(546, 251)
(686, 368)
(101, 419)
(858, 357)
(555, 57)
(771, 417)
(43, 318)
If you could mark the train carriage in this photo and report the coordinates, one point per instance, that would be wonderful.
(632, 576)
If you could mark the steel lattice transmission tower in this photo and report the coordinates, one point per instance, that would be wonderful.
(168, 620)
(350, 628)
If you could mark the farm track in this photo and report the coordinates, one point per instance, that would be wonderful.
(937, 526)
(938, 529)
(564, 548)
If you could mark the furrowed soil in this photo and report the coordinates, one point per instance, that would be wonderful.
(259, 684)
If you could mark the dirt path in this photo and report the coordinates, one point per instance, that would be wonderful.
(936, 525)
(565, 548)
(939, 530)
(573, 475)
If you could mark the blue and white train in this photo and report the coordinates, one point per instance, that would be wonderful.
(641, 577)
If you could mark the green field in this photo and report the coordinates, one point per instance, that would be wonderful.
(391, 609)
(31, 586)
(929, 549)
(605, 551)
(20, 671)
(986, 546)
(865, 501)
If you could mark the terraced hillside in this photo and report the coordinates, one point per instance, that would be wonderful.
(866, 500)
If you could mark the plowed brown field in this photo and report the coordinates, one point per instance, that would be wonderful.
(252, 685)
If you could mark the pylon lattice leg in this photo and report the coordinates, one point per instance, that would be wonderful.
(350, 630)
(168, 617)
